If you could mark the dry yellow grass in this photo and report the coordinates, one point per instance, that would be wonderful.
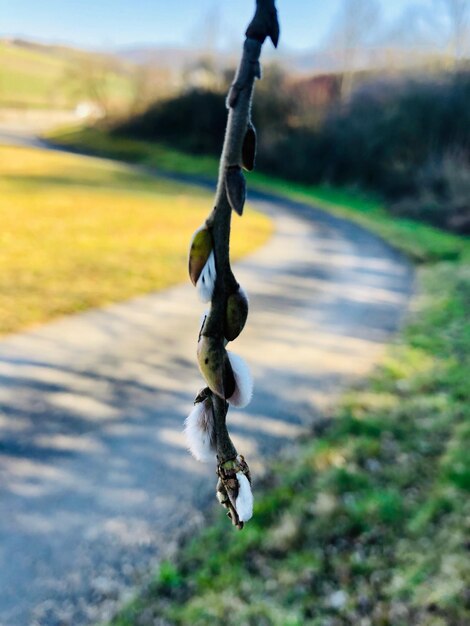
(79, 233)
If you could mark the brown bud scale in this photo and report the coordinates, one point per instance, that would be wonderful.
(235, 186)
(249, 148)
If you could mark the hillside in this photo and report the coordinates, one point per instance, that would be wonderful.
(33, 75)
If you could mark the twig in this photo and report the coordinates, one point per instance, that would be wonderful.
(238, 151)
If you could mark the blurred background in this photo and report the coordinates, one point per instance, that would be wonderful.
(363, 111)
(361, 92)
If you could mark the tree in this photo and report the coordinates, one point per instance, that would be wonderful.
(356, 23)
(148, 84)
(90, 78)
(458, 13)
(227, 376)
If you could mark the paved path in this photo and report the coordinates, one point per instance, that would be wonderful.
(95, 482)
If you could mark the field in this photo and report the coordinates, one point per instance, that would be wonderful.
(78, 234)
(367, 520)
(34, 76)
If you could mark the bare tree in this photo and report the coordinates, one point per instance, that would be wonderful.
(90, 78)
(227, 376)
(148, 83)
(206, 35)
(414, 28)
(458, 14)
(353, 29)
(209, 30)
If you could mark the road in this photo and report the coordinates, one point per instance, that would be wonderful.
(95, 483)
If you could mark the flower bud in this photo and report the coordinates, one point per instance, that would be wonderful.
(199, 431)
(236, 314)
(249, 148)
(199, 251)
(244, 501)
(243, 391)
(215, 366)
(235, 186)
(206, 281)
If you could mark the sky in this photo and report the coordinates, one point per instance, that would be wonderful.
(126, 23)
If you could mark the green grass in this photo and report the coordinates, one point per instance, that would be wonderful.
(79, 233)
(367, 520)
(35, 76)
(99, 142)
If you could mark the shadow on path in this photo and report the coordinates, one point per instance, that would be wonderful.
(95, 481)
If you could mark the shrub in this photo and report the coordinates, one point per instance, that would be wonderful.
(443, 194)
(408, 141)
(193, 121)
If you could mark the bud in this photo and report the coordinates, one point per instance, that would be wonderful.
(235, 186)
(215, 366)
(236, 314)
(199, 431)
(249, 148)
(244, 501)
(206, 282)
(243, 392)
(199, 251)
(264, 24)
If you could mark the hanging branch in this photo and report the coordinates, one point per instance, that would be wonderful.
(227, 376)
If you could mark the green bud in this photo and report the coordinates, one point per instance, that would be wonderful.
(215, 366)
(236, 314)
(199, 251)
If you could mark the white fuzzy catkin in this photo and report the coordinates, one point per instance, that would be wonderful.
(243, 393)
(198, 428)
(206, 282)
(244, 502)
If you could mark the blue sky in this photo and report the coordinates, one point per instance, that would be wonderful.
(117, 23)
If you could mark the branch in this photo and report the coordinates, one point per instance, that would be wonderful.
(209, 266)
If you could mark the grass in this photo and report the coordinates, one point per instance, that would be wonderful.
(93, 140)
(27, 76)
(78, 234)
(367, 520)
(40, 76)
